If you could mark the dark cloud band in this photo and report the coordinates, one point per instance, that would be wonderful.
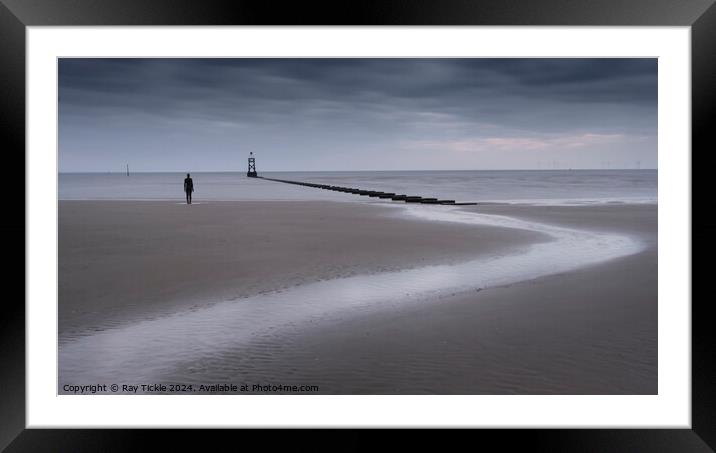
(367, 100)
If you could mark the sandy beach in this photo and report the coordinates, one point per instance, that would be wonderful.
(591, 331)
(588, 331)
(121, 261)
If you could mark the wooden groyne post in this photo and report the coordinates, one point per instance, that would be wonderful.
(371, 193)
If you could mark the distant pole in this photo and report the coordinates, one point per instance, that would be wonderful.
(127, 169)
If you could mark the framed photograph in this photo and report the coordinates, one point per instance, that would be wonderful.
(484, 221)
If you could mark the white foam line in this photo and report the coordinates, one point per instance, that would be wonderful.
(157, 348)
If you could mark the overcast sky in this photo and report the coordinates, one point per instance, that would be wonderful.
(356, 114)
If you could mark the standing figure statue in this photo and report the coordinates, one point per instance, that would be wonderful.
(188, 187)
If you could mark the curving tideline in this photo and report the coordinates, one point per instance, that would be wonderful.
(152, 349)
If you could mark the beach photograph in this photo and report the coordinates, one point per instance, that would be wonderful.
(357, 226)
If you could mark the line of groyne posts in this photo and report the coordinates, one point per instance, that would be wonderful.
(373, 193)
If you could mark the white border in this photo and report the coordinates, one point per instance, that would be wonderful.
(671, 408)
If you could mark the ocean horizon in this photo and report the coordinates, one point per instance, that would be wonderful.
(507, 186)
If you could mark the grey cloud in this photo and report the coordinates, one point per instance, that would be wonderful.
(326, 102)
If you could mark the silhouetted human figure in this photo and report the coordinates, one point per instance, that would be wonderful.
(188, 187)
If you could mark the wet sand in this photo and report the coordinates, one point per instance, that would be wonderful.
(588, 331)
(123, 261)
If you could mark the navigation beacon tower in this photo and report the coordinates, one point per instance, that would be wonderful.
(252, 166)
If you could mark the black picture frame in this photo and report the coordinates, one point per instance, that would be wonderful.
(16, 15)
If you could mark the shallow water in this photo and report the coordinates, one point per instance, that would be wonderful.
(161, 349)
(527, 186)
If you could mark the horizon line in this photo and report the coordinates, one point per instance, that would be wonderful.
(348, 171)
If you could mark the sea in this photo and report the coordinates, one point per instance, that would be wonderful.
(549, 187)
